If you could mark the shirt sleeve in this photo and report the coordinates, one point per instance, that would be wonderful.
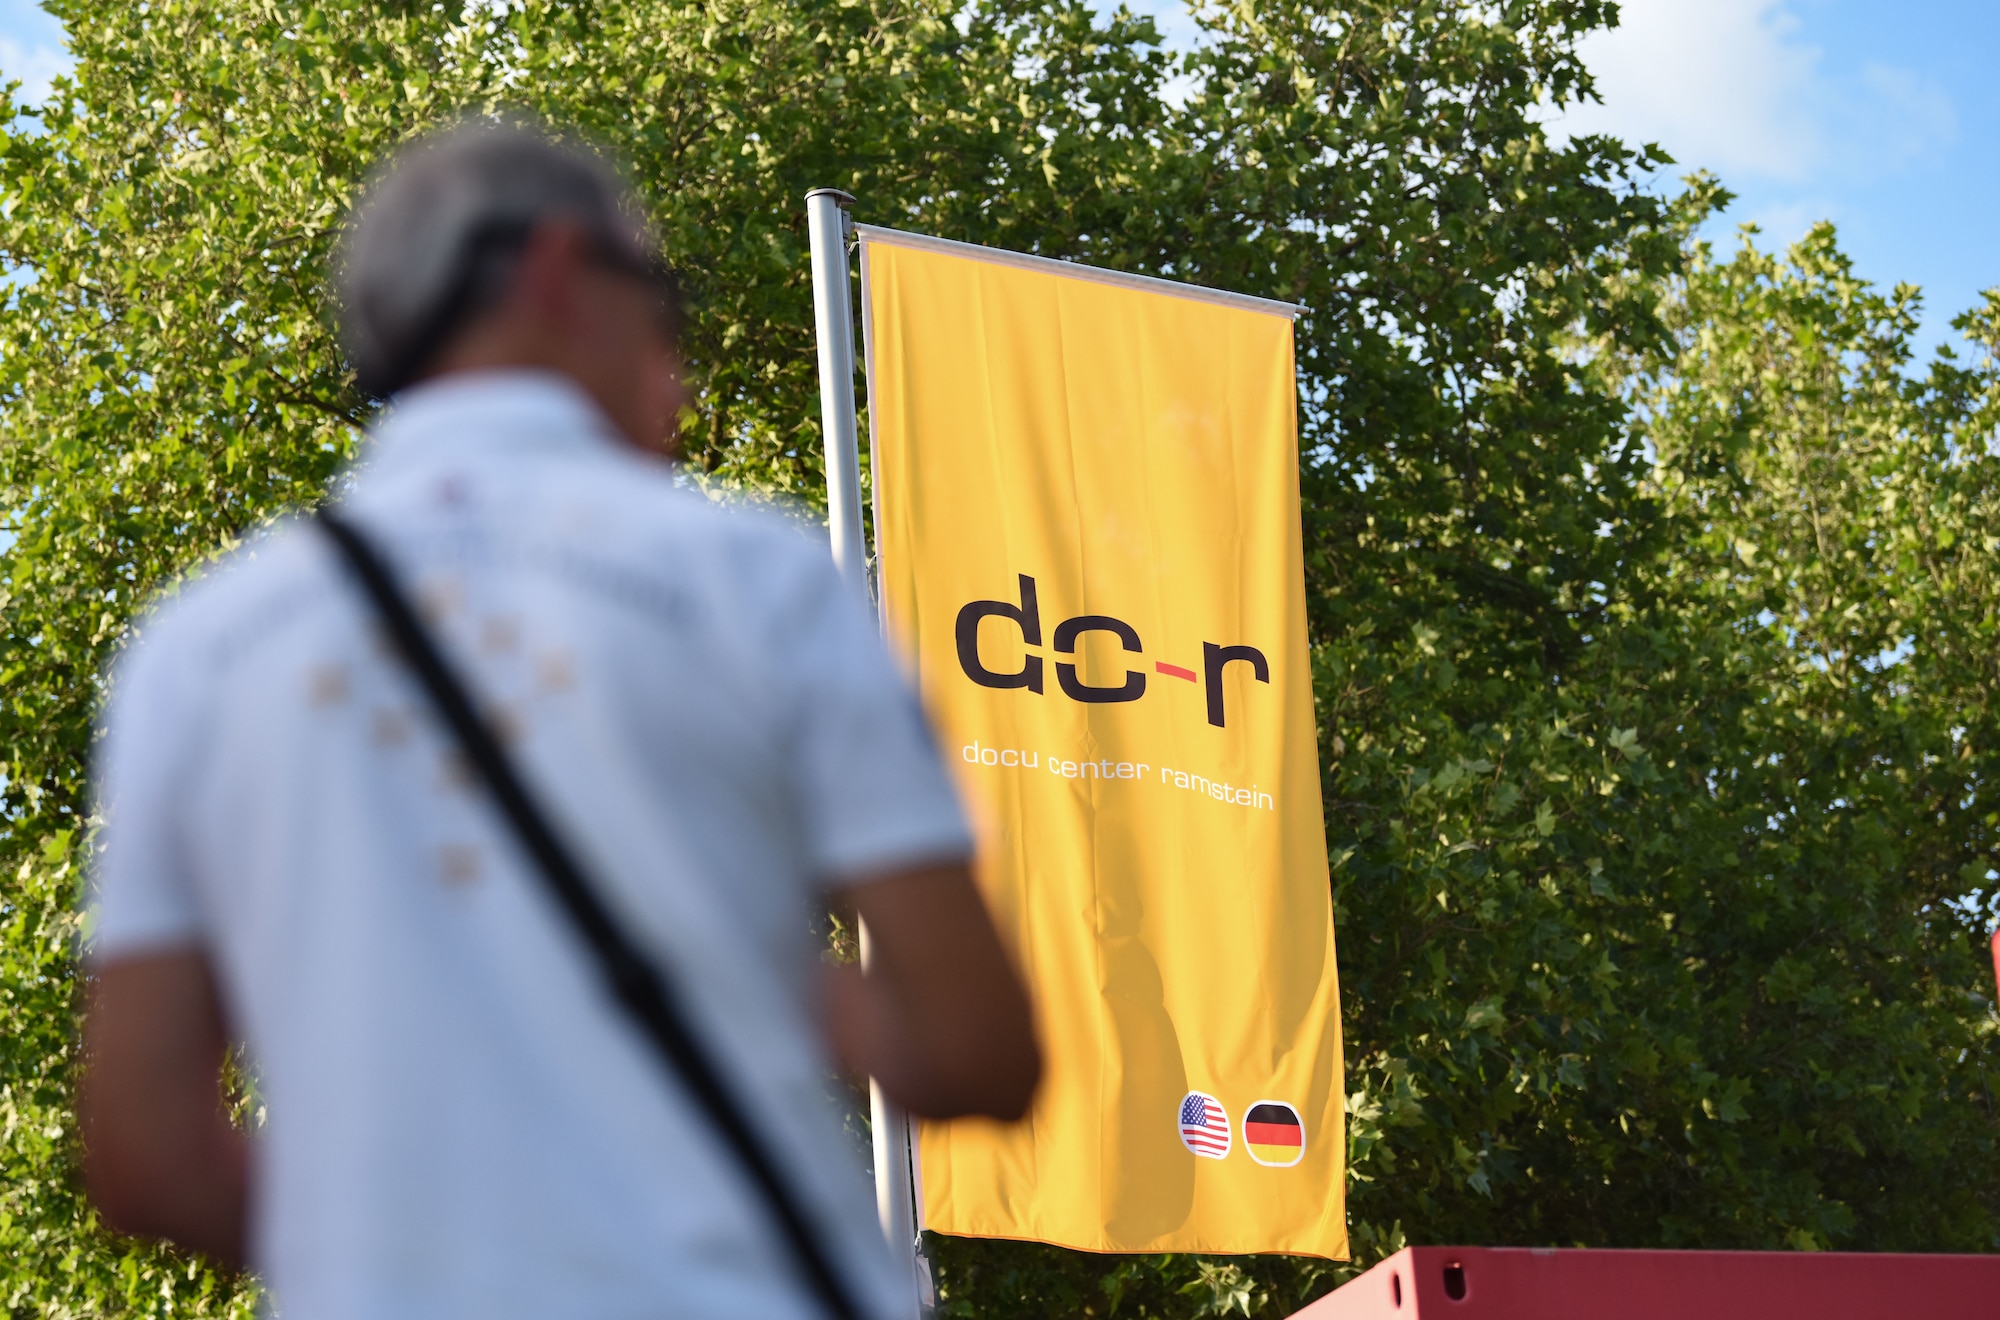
(142, 895)
(873, 794)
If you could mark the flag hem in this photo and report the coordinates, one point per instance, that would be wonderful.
(1049, 265)
(1144, 1251)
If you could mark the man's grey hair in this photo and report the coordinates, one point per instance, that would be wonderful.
(436, 235)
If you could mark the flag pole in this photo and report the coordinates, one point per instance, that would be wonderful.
(827, 228)
(833, 321)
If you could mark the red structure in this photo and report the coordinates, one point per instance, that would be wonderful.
(1543, 1283)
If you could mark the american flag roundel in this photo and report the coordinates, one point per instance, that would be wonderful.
(1204, 1125)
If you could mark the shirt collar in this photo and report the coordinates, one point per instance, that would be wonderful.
(509, 411)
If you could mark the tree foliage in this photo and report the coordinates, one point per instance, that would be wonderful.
(1683, 936)
(1652, 595)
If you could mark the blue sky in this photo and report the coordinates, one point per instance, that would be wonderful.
(30, 47)
(1880, 115)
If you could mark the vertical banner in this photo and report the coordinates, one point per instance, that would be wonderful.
(1088, 530)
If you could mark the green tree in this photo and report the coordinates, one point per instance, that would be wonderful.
(1678, 943)
(1651, 597)
(1834, 520)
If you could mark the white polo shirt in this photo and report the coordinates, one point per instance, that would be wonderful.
(461, 1122)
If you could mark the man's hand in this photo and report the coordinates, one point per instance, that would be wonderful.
(160, 1156)
(940, 1018)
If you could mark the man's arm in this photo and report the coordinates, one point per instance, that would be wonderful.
(940, 1018)
(160, 1156)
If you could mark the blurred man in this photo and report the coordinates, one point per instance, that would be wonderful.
(295, 855)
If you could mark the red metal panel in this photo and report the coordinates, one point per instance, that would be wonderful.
(1537, 1283)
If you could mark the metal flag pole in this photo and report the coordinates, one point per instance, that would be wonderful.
(833, 321)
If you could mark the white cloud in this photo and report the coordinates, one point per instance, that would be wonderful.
(1781, 223)
(1721, 84)
(35, 66)
(1179, 33)
(1176, 24)
(30, 49)
(1734, 86)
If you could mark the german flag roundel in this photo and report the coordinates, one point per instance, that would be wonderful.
(1273, 1134)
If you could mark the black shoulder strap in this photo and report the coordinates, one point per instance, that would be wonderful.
(636, 983)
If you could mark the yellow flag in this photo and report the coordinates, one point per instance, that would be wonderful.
(1087, 516)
